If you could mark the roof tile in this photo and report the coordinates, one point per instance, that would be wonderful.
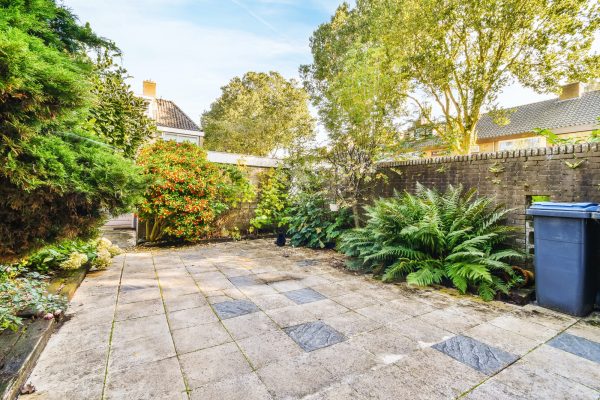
(168, 114)
(550, 114)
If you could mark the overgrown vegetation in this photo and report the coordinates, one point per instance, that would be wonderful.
(453, 238)
(24, 285)
(24, 294)
(188, 193)
(59, 179)
(273, 208)
(313, 224)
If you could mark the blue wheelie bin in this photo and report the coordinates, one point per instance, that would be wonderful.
(567, 255)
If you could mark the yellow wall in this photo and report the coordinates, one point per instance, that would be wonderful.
(493, 146)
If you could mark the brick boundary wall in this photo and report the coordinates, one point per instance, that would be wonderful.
(564, 173)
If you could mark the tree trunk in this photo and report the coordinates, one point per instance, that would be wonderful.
(156, 231)
(356, 215)
(467, 142)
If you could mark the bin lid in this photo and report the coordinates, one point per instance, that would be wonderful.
(565, 210)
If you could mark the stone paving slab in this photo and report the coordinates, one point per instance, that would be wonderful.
(303, 296)
(248, 320)
(314, 335)
(480, 356)
(234, 308)
(577, 345)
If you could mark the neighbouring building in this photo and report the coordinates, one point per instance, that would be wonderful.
(172, 123)
(574, 114)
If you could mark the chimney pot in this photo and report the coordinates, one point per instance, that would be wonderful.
(571, 91)
(149, 89)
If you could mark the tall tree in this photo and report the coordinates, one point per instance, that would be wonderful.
(358, 100)
(458, 55)
(258, 114)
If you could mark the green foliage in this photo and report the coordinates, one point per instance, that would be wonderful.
(66, 185)
(24, 294)
(433, 238)
(57, 179)
(234, 187)
(69, 254)
(188, 193)
(457, 55)
(273, 208)
(358, 100)
(258, 114)
(553, 139)
(51, 257)
(312, 224)
(44, 71)
(118, 116)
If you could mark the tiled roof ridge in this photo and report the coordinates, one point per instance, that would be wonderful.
(192, 126)
(554, 99)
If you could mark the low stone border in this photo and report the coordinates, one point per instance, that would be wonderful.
(19, 351)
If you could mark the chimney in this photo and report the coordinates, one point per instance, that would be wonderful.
(571, 91)
(149, 88)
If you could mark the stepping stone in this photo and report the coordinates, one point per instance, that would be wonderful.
(307, 263)
(234, 308)
(477, 355)
(314, 335)
(244, 280)
(303, 296)
(577, 345)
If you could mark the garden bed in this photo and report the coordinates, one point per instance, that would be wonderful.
(20, 350)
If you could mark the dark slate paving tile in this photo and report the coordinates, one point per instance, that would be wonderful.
(314, 335)
(303, 296)
(577, 345)
(245, 280)
(307, 263)
(235, 308)
(475, 354)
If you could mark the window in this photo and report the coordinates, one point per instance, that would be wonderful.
(523, 143)
(179, 138)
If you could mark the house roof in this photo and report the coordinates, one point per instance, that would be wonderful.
(167, 114)
(550, 114)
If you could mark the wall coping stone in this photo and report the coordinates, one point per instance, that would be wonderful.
(540, 151)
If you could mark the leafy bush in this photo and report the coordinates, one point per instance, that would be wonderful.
(58, 180)
(23, 285)
(272, 210)
(23, 294)
(189, 192)
(313, 224)
(118, 115)
(433, 238)
(61, 187)
(71, 254)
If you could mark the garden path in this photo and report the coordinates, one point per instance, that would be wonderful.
(248, 320)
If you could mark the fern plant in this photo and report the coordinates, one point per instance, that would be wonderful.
(312, 224)
(431, 238)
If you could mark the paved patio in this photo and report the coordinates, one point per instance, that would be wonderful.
(248, 320)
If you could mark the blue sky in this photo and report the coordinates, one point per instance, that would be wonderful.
(193, 47)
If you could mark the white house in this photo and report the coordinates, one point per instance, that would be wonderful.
(171, 121)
